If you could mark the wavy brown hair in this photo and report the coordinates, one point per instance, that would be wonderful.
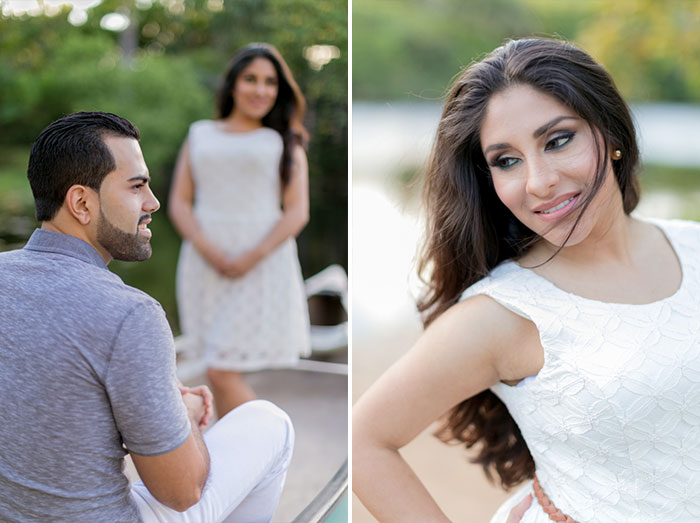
(286, 115)
(469, 231)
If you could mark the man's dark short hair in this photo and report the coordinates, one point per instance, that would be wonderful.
(71, 151)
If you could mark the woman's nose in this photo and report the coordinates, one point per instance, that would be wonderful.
(541, 179)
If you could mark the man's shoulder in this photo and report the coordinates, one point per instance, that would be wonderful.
(59, 280)
(105, 304)
(10, 256)
(77, 281)
(118, 295)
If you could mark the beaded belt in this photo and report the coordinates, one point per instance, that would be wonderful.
(553, 512)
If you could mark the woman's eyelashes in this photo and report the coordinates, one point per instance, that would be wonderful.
(560, 140)
(504, 162)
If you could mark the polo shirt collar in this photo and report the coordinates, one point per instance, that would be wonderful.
(59, 243)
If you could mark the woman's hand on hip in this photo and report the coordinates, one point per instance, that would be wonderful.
(517, 512)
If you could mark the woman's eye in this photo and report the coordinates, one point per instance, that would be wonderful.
(504, 162)
(559, 141)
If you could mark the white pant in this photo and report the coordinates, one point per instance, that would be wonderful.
(250, 449)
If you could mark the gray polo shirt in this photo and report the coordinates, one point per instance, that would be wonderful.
(87, 369)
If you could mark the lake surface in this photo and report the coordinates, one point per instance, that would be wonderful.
(387, 136)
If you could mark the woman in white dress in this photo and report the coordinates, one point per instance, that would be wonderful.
(562, 334)
(239, 198)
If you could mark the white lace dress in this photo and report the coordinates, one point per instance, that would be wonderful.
(613, 417)
(260, 320)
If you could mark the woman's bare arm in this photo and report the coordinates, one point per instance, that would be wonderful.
(465, 351)
(180, 212)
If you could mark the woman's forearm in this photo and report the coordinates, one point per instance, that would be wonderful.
(295, 205)
(388, 487)
(290, 224)
(182, 217)
(180, 209)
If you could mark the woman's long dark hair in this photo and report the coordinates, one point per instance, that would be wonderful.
(469, 230)
(286, 115)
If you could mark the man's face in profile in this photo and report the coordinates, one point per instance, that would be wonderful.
(126, 203)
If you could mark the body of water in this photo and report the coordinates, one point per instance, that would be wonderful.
(389, 136)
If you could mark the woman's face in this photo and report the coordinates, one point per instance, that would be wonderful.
(255, 90)
(542, 158)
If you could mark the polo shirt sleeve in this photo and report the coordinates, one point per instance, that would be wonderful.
(141, 384)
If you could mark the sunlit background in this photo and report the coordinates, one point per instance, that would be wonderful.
(158, 63)
(404, 57)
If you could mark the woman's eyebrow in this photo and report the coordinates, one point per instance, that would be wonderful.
(546, 127)
(496, 146)
(538, 132)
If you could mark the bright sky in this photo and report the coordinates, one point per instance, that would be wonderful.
(316, 55)
(78, 15)
(34, 7)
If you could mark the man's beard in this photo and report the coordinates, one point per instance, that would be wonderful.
(120, 244)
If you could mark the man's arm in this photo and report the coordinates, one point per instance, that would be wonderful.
(177, 478)
(158, 424)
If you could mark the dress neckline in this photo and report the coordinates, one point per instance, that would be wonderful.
(217, 127)
(676, 251)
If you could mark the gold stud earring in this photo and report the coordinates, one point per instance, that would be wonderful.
(617, 154)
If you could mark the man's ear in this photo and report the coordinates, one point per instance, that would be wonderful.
(82, 203)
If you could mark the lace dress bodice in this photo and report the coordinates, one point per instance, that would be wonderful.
(612, 419)
(237, 175)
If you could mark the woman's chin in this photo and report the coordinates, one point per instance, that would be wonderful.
(558, 239)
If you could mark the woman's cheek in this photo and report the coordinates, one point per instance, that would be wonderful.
(509, 192)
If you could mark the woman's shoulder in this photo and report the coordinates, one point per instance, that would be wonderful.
(487, 323)
(201, 125)
(500, 277)
(502, 329)
(675, 225)
(273, 134)
(522, 291)
(481, 309)
(681, 233)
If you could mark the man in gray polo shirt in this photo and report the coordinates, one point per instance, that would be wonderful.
(87, 366)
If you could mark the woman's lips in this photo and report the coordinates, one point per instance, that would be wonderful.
(558, 209)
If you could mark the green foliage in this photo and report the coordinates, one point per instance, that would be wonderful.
(16, 202)
(651, 48)
(412, 49)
